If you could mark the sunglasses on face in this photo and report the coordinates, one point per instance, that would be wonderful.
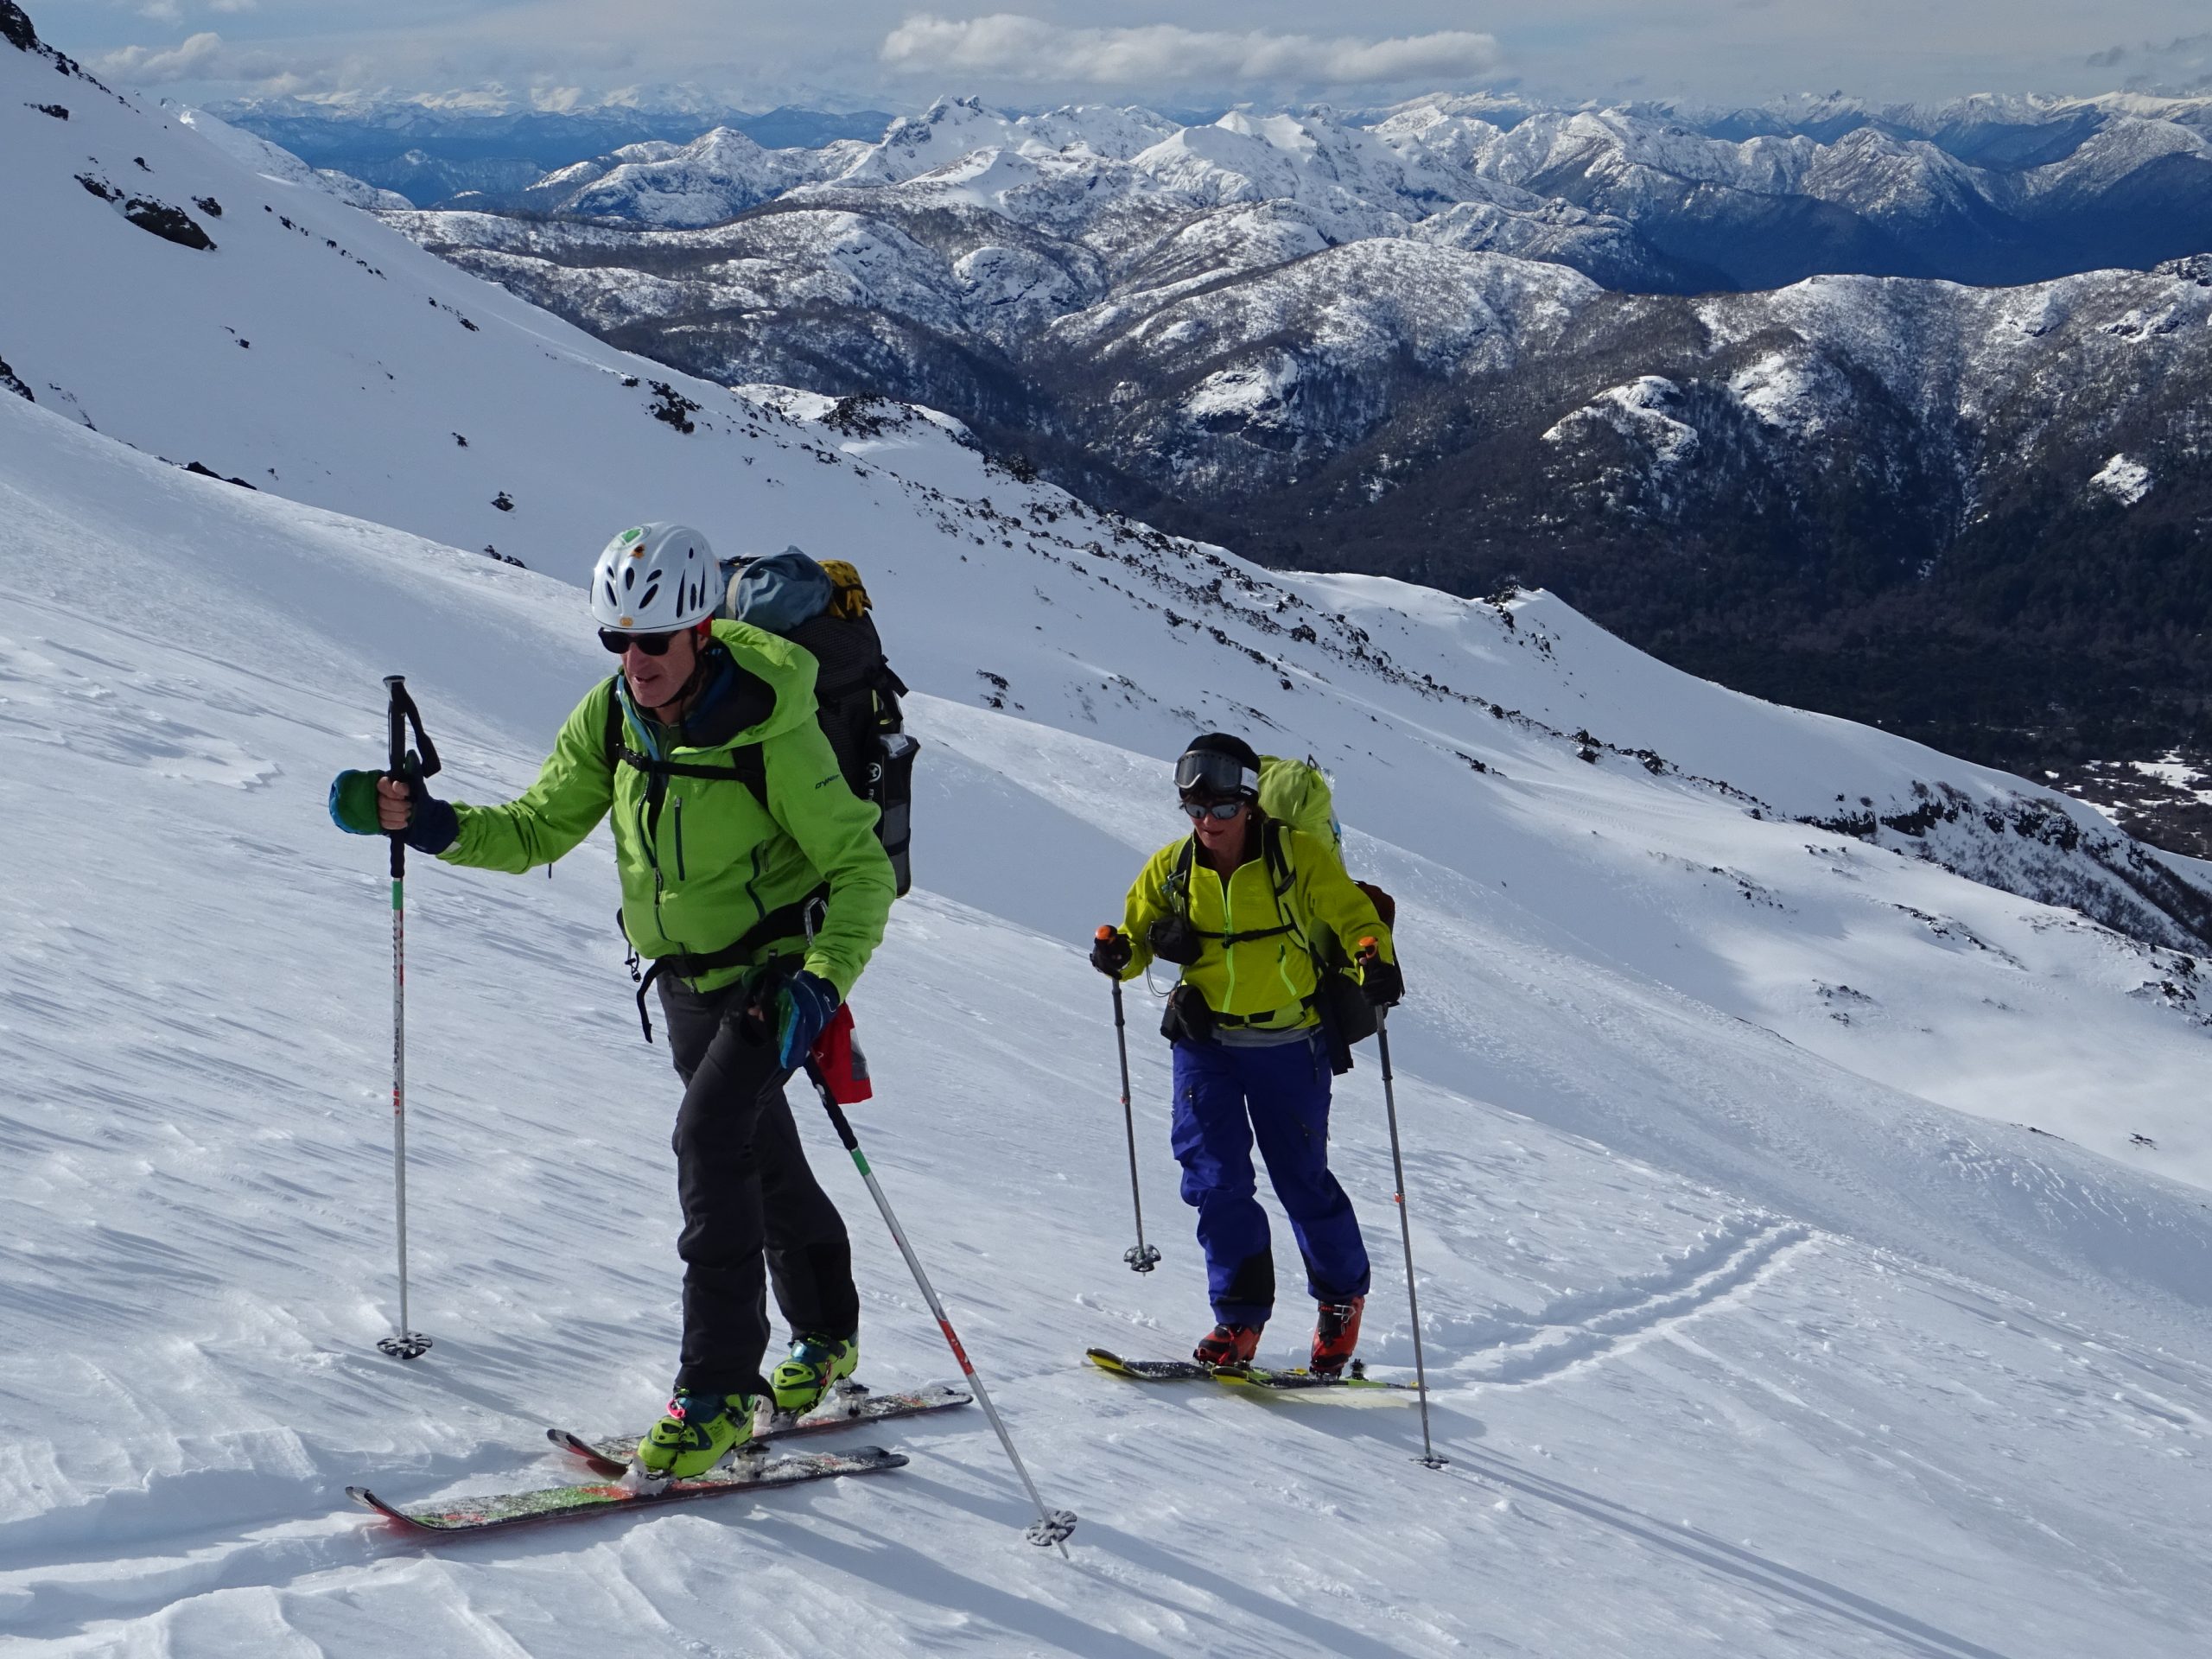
(1220, 811)
(653, 645)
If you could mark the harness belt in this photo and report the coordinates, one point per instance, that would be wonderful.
(1266, 1021)
(798, 919)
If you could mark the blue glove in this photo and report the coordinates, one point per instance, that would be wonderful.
(804, 1004)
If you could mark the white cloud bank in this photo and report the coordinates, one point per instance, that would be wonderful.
(1008, 46)
(205, 57)
(146, 65)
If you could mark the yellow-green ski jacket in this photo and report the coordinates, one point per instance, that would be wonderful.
(1266, 982)
(704, 865)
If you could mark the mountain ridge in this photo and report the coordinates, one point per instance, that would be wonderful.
(1293, 334)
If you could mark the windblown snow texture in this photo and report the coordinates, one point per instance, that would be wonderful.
(1814, 1244)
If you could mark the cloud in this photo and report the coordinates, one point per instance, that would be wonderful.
(172, 11)
(2106, 59)
(2182, 67)
(149, 66)
(204, 57)
(1008, 46)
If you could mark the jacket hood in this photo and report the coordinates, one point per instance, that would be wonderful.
(786, 669)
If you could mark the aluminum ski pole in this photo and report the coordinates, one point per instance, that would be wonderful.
(1140, 1256)
(402, 1343)
(1405, 1226)
(1052, 1526)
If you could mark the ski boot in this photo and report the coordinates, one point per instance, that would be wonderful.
(1228, 1347)
(1335, 1335)
(699, 1431)
(815, 1362)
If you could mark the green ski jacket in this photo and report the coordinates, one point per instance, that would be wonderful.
(704, 863)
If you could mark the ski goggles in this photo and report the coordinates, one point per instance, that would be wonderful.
(1221, 811)
(1201, 771)
(653, 645)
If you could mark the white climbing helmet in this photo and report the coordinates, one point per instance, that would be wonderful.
(654, 578)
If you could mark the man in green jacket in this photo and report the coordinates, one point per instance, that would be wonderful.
(753, 879)
(1242, 906)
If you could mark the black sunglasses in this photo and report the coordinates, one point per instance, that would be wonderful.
(653, 645)
(1221, 811)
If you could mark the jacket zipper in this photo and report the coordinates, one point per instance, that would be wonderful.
(1229, 927)
(645, 828)
(679, 838)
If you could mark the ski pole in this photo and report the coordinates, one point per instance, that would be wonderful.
(1052, 1526)
(1140, 1256)
(402, 1343)
(1405, 1227)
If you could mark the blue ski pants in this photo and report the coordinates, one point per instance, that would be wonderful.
(1226, 1098)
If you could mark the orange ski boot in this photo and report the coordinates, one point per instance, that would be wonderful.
(1335, 1335)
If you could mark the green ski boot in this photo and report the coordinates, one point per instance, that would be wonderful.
(815, 1362)
(699, 1431)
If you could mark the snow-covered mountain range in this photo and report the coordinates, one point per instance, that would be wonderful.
(1808, 1188)
(1638, 196)
(433, 149)
(1412, 344)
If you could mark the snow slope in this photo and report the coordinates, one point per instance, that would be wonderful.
(1814, 1244)
(263, 157)
(1668, 1254)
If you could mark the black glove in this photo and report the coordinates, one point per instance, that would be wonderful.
(435, 825)
(1110, 951)
(1173, 939)
(1381, 982)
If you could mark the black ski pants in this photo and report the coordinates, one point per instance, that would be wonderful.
(747, 1192)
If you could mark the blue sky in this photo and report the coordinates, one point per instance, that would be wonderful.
(899, 55)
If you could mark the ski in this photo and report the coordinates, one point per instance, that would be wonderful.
(1253, 1376)
(490, 1510)
(848, 1406)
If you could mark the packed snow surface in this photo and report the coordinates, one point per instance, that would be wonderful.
(1813, 1245)
(1734, 1329)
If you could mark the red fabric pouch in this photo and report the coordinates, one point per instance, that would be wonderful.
(836, 1063)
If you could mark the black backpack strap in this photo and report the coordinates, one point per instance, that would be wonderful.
(746, 763)
(749, 766)
(614, 744)
(1271, 848)
(1178, 886)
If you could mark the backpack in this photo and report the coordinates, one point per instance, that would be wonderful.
(1296, 792)
(825, 609)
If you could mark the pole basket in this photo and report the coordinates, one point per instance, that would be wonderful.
(1141, 1258)
(1054, 1529)
(412, 1345)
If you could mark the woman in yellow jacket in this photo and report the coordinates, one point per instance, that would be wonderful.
(1242, 907)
